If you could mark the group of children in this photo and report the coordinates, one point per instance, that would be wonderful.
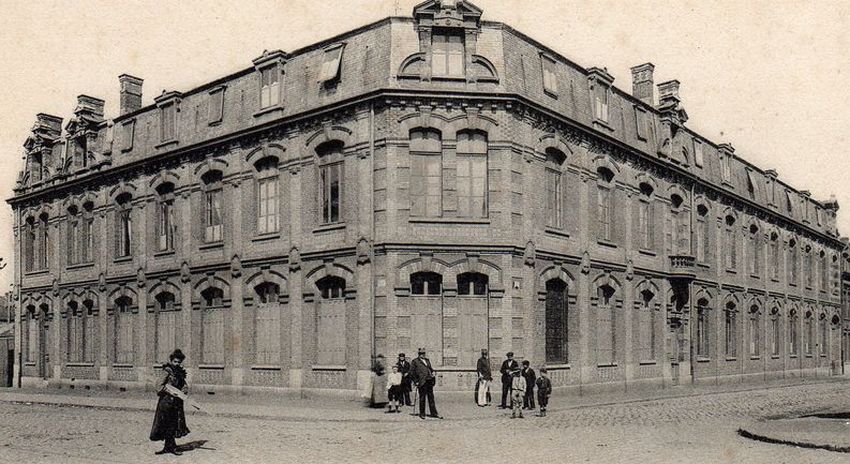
(522, 394)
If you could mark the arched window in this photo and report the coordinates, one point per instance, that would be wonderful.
(124, 331)
(792, 265)
(606, 333)
(808, 334)
(472, 174)
(808, 269)
(823, 325)
(646, 325)
(755, 331)
(330, 323)
(331, 172)
(755, 247)
(730, 244)
(774, 255)
(165, 336)
(775, 332)
(793, 339)
(426, 173)
(165, 224)
(554, 192)
(645, 216)
(79, 332)
(703, 230)
(87, 233)
(29, 234)
(426, 283)
(557, 322)
(332, 287)
(213, 221)
(212, 326)
(268, 208)
(73, 245)
(731, 330)
(267, 328)
(123, 226)
(472, 283)
(604, 202)
(677, 226)
(824, 274)
(43, 242)
(703, 329)
(32, 334)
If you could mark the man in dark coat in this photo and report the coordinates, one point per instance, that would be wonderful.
(508, 365)
(404, 368)
(169, 421)
(422, 375)
(485, 376)
(530, 379)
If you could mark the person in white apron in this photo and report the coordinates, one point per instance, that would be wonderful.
(485, 376)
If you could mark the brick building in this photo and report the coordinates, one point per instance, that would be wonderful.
(434, 180)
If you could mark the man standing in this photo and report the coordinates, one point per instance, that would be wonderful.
(422, 375)
(530, 380)
(485, 376)
(404, 369)
(508, 367)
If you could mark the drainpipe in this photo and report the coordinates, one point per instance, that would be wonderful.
(372, 219)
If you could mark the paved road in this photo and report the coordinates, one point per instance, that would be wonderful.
(697, 429)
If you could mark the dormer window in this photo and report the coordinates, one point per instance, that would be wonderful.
(168, 122)
(550, 79)
(331, 64)
(447, 54)
(216, 108)
(128, 132)
(269, 87)
(751, 185)
(600, 90)
(698, 157)
(641, 122)
(600, 103)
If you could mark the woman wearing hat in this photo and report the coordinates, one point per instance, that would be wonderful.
(169, 420)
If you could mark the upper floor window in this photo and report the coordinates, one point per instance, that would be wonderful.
(550, 79)
(212, 298)
(789, 205)
(212, 191)
(268, 209)
(426, 173)
(600, 102)
(645, 216)
(216, 109)
(698, 155)
(426, 283)
(330, 181)
(751, 185)
(725, 168)
(447, 54)
(29, 234)
(554, 191)
(774, 255)
(792, 264)
(641, 122)
(703, 231)
(472, 283)
(331, 287)
(331, 63)
(269, 86)
(165, 225)
(37, 169)
(755, 247)
(128, 132)
(604, 202)
(73, 244)
(123, 226)
(731, 244)
(168, 122)
(472, 174)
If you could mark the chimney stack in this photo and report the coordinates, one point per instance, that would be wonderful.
(668, 93)
(642, 83)
(131, 94)
(91, 107)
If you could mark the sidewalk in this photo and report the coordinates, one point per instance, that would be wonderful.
(273, 407)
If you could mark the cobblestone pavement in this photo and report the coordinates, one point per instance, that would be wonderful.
(698, 429)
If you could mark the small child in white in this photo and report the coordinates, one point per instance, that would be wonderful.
(395, 389)
(518, 387)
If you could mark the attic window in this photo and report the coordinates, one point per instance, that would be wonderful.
(128, 131)
(698, 160)
(550, 79)
(216, 113)
(641, 119)
(751, 185)
(331, 63)
(269, 86)
(168, 121)
(447, 54)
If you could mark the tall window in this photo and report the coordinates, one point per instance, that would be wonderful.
(472, 174)
(426, 173)
(37, 169)
(824, 335)
(600, 102)
(731, 330)
(755, 250)
(123, 226)
(677, 226)
(646, 326)
(730, 245)
(447, 55)
(755, 331)
(268, 209)
(604, 202)
(330, 181)
(168, 122)
(29, 233)
(550, 79)
(824, 274)
(554, 193)
(267, 326)
(213, 223)
(32, 335)
(774, 255)
(331, 322)
(73, 243)
(725, 167)
(751, 185)
(216, 109)
(269, 86)
(212, 326)
(87, 233)
(165, 328)
(123, 331)
(793, 339)
(605, 328)
(43, 242)
(645, 216)
(80, 346)
(808, 269)
(557, 322)
(165, 225)
(792, 258)
(698, 155)
(808, 333)
(775, 332)
(330, 63)
(703, 328)
(702, 234)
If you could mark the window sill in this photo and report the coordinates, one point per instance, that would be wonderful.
(603, 124)
(731, 358)
(449, 78)
(647, 363)
(774, 279)
(441, 220)
(215, 123)
(265, 368)
(328, 368)
(122, 259)
(80, 265)
(557, 232)
(79, 364)
(160, 254)
(269, 110)
(266, 237)
(808, 287)
(755, 358)
(551, 93)
(606, 243)
(211, 367)
(646, 252)
(704, 265)
(166, 144)
(29, 364)
(559, 366)
(792, 284)
(808, 356)
(774, 356)
(37, 273)
(211, 246)
(754, 276)
(329, 227)
(731, 271)
(122, 366)
(607, 365)
(792, 356)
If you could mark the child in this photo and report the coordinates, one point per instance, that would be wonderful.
(544, 389)
(395, 388)
(517, 393)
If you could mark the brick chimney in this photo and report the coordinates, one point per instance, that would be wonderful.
(91, 107)
(642, 83)
(668, 93)
(131, 94)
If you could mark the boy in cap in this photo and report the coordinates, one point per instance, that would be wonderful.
(530, 379)
(517, 393)
(406, 384)
(544, 390)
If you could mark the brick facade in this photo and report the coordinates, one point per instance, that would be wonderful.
(284, 246)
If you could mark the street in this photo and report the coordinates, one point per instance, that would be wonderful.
(698, 429)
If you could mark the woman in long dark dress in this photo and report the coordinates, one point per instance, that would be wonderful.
(378, 397)
(169, 421)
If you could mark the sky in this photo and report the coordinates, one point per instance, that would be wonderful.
(769, 77)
